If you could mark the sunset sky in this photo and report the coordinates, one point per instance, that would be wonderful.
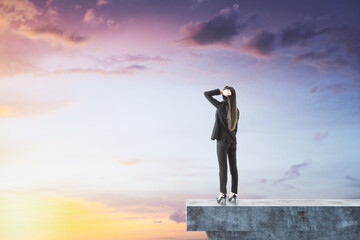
(105, 130)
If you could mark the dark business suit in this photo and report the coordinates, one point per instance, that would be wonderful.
(226, 142)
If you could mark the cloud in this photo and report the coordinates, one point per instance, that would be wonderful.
(320, 136)
(102, 2)
(25, 19)
(90, 17)
(324, 60)
(348, 37)
(178, 216)
(266, 42)
(340, 45)
(116, 71)
(18, 11)
(333, 88)
(53, 34)
(261, 45)
(112, 24)
(3, 23)
(300, 31)
(219, 29)
(322, 54)
(294, 171)
(353, 181)
(51, 12)
(143, 58)
(195, 3)
(113, 62)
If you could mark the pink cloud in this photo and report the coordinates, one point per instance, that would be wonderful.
(320, 136)
(102, 2)
(90, 17)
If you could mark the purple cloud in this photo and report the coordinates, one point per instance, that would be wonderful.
(298, 32)
(262, 45)
(294, 171)
(142, 58)
(265, 43)
(219, 29)
(178, 216)
(341, 49)
(349, 38)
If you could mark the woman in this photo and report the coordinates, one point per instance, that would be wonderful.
(224, 131)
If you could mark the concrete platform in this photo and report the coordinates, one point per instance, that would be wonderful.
(276, 219)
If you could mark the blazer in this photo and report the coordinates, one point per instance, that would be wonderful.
(220, 129)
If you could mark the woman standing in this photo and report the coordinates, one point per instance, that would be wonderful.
(224, 131)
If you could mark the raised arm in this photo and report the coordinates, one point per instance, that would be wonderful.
(209, 96)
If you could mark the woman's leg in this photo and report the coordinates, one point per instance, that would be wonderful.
(233, 167)
(222, 148)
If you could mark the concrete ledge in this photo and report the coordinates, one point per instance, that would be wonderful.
(275, 218)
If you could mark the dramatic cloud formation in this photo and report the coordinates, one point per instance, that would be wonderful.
(219, 29)
(265, 42)
(299, 33)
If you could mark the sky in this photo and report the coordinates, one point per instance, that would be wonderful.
(105, 130)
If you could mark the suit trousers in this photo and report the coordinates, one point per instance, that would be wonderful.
(225, 149)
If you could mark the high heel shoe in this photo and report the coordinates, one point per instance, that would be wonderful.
(232, 199)
(221, 200)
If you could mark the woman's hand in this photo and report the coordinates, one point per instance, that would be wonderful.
(226, 92)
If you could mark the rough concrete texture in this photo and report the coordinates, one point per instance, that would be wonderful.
(276, 218)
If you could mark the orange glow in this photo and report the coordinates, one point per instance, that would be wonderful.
(7, 111)
(36, 217)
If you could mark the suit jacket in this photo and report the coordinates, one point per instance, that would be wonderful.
(220, 129)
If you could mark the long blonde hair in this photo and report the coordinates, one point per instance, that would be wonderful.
(231, 108)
